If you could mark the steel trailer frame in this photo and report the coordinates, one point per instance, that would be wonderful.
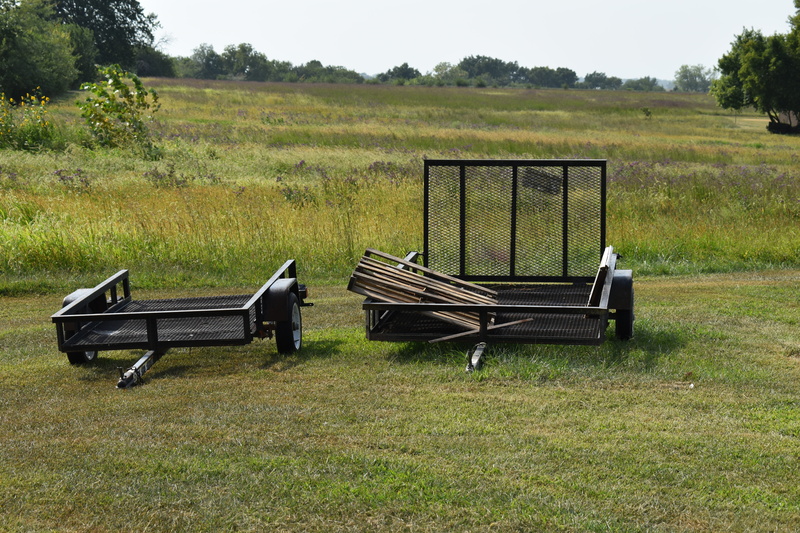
(107, 317)
(532, 230)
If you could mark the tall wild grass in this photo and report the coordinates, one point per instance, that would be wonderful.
(253, 173)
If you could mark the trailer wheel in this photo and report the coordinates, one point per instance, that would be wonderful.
(289, 333)
(624, 327)
(80, 358)
(621, 299)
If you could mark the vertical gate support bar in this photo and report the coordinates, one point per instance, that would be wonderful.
(514, 192)
(462, 244)
(565, 223)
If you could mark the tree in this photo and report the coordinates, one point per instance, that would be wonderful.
(35, 52)
(118, 110)
(763, 73)
(599, 80)
(82, 40)
(539, 76)
(447, 74)
(489, 69)
(152, 62)
(546, 77)
(118, 26)
(693, 79)
(729, 89)
(243, 62)
(566, 77)
(643, 84)
(208, 62)
(401, 73)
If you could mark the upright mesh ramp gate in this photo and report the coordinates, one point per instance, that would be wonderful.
(515, 220)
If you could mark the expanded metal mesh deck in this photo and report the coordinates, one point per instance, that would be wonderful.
(555, 328)
(191, 331)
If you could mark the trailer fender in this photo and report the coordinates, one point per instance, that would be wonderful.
(98, 305)
(275, 308)
(621, 297)
(71, 297)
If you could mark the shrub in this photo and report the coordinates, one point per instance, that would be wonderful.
(116, 113)
(24, 125)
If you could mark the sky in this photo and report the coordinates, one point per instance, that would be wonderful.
(623, 38)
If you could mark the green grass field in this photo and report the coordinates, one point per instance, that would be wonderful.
(693, 425)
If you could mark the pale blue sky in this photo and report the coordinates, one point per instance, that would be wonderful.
(624, 38)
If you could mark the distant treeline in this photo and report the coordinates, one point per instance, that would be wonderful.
(242, 62)
(50, 46)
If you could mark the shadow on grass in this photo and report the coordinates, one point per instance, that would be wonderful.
(198, 362)
(314, 349)
(642, 353)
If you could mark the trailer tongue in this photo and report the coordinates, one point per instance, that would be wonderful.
(108, 318)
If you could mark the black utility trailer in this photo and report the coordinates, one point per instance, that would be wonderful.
(108, 318)
(527, 234)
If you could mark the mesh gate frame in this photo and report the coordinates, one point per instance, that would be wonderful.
(548, 169)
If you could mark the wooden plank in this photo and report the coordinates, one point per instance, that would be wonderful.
(407, 282)
(419, 283)
(432, 273)
(405, 277)
(452, 318)
(382, 293)
(465, 291)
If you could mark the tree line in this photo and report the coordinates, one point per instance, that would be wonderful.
(242, 62)
(55, 45)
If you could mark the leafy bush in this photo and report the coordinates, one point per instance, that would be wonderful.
(116, 113)
(24, 124)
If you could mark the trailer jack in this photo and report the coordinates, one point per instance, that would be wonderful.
(474, 356)
(135, 374)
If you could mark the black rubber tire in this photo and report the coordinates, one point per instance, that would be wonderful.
(81, 358)
(624, 326)
(289, 333)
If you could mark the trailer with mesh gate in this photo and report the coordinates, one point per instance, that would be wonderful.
(107, 317)
(532, 232)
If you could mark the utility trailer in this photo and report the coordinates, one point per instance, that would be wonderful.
(108, 318)
(514, 251)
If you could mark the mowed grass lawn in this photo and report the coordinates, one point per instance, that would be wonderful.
(691, 426)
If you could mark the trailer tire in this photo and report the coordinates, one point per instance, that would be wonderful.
(80, 358)
(624, 326)
(289, 333)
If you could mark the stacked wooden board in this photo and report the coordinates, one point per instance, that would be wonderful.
(386, 278)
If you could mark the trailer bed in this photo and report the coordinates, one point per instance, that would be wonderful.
(107, 317)
(184, 331)
(529, 326)
(510, 254)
